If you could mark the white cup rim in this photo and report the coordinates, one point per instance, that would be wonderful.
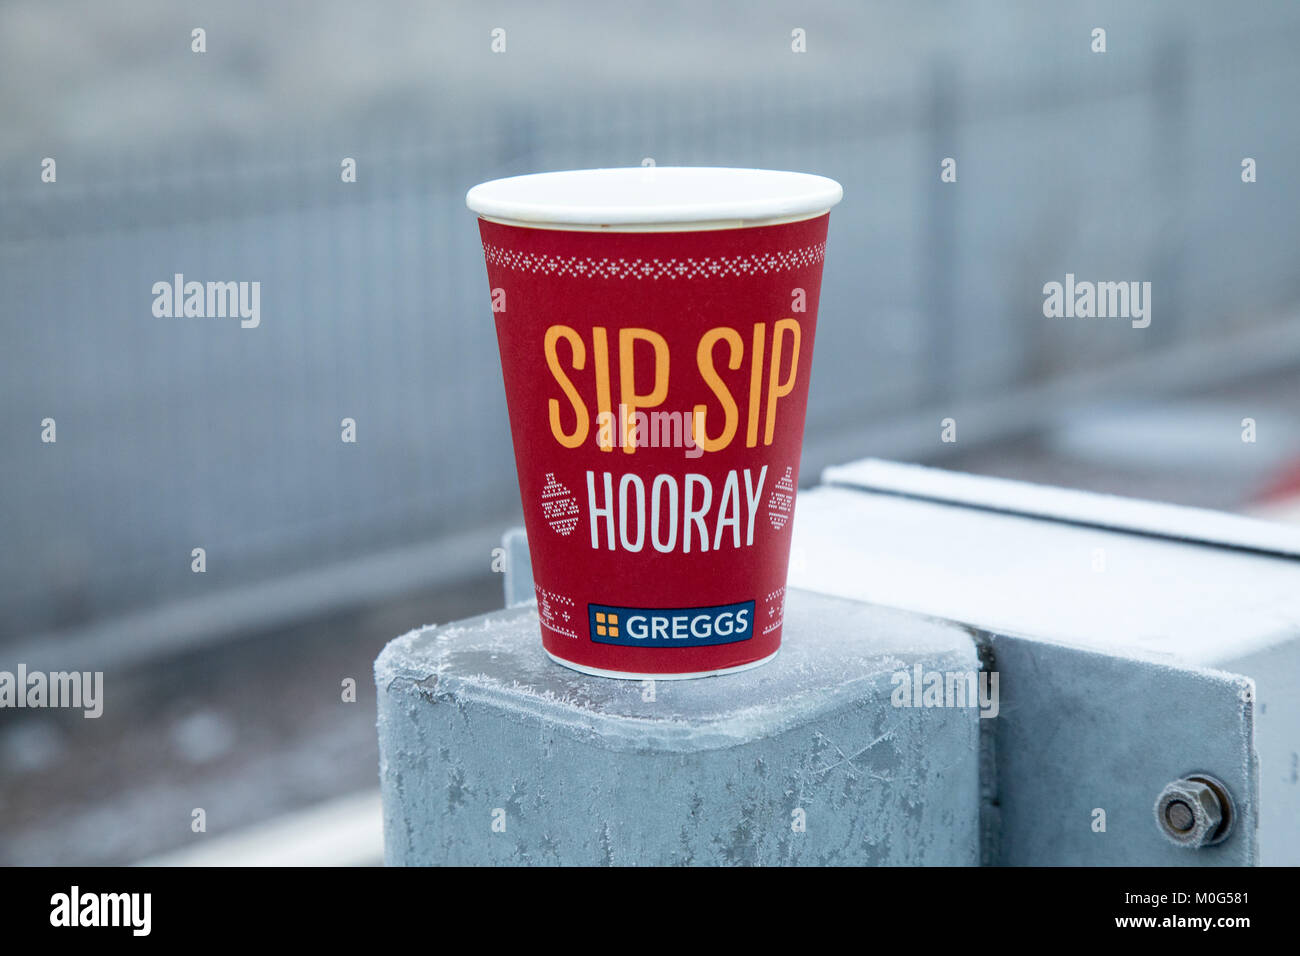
(654, 198)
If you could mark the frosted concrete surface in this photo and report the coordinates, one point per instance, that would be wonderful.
(492, 754)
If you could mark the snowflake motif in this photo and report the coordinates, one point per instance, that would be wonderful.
(781, 503)
(559, 506)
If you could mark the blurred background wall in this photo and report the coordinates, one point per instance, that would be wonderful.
(182, 433)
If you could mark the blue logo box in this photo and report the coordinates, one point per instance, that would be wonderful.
(671, 627)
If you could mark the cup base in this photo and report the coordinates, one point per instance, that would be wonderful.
(625, 675)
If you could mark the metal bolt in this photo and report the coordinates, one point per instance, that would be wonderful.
(1179, 816)
(1194, 811)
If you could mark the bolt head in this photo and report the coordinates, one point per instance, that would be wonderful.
(1190, 813)
(1179, 816)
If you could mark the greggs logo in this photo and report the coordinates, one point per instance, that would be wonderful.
(771, 370)
(671, 627)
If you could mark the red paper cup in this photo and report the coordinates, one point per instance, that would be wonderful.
(656, 332)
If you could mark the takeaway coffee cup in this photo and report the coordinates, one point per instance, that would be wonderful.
(656, 333)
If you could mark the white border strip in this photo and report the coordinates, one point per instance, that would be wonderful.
(627, 675)
(1133, 515)
(710, 225)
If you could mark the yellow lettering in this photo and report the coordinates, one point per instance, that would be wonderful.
(776, 390)
(629, 400)
(731, 415)
(755, 385)
(604, 409)
(582, 420)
